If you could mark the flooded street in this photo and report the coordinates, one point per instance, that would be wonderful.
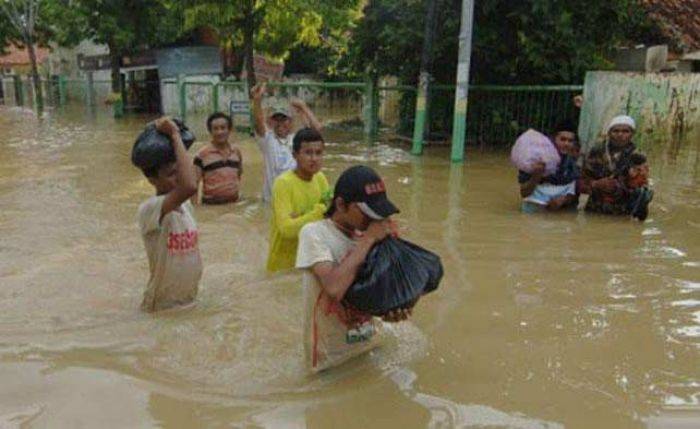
(542, 321)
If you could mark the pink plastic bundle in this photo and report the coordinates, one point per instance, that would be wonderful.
(533, 147)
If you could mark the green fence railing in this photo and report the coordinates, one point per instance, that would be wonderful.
(91, 94)
(189, 102)
(496, 114)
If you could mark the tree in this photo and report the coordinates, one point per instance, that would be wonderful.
(125, 26)
(7, 33)
(22, 15)
(272, 27)
(515, 41)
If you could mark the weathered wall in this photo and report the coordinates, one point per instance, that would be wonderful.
(665, 106)
(199, 97)
(64, 61)
(189, 60)
(334, 105)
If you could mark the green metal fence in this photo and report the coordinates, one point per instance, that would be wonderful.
(57, 92)
(496, 114)
(205, 97)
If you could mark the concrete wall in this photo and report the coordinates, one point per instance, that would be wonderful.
(642, 59)
(332, 105)
(199, 97)
(665, 106)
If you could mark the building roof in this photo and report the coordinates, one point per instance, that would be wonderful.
(678, 20)
(20, 57)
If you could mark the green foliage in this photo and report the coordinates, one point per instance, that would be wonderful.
(126, 26)
(280, 25)
(514, 41)
(56, 21)
(59, 22)
(387, 40)
(7, 33)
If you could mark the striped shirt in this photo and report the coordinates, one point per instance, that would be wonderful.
(221, 173)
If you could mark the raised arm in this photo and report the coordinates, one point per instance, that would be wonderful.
(185, 177)
(308, 115)
(256, 95)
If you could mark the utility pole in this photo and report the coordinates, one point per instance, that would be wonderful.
(459, 125)
(425, 77)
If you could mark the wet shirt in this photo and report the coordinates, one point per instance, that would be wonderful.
(612, 163)
(221, 173)
(277, 155)
(295, 202)
(173, 254)
(333, 333)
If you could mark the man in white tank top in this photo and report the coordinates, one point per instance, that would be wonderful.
(274, 134)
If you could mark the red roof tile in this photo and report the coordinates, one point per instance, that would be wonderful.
(679, 20)
(20, 57)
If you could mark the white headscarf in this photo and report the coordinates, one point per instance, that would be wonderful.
(622, 120)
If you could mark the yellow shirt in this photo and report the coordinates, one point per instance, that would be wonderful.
(295, 202)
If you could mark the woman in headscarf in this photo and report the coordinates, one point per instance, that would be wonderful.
(606, 168)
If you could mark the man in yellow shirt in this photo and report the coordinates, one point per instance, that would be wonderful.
(298, 197)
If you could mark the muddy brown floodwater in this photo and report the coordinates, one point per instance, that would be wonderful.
(542, 321)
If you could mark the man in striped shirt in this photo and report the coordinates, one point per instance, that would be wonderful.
(219, 163)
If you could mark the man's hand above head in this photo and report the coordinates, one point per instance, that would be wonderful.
(298, 104)
(257, 91)
(167, 126)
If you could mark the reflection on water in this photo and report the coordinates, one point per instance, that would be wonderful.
(566, 320)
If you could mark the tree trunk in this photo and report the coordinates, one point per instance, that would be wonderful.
(115, 60)
(248, 37)
(38, 93)
(237, 65)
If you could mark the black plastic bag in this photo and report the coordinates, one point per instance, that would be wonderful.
(152, 148)
(395, 274)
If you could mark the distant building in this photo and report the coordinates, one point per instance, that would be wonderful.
(16, 61)
(145, 75)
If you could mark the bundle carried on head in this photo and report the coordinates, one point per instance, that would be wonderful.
(533, 147)
(153, 149)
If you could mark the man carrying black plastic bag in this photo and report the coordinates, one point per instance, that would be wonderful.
(331, 252)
